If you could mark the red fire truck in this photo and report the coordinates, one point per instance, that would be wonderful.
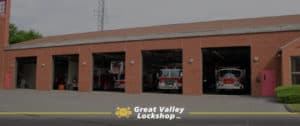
(170, 79)
(117, 71)
(230, 78)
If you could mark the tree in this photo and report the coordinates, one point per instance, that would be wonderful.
(16, 35)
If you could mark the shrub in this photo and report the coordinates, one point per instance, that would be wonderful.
(288, 94)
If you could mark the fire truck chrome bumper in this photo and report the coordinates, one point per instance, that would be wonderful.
(168, 87)
(229, 87)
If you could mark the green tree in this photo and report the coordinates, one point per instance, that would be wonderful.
(16, 35)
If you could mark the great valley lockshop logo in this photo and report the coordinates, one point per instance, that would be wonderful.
(151, 113)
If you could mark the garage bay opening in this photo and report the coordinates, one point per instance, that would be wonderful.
(26, 73)
(65, 72)
(162, 71)
(227, 70)
(109, 72)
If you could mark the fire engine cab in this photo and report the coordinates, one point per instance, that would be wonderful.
(170, 79)
(117, 71)
(230, 78)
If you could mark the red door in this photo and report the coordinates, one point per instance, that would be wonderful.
(268, 83)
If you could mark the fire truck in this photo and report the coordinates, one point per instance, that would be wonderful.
(230, 78)
(117, 71)
(170, 79)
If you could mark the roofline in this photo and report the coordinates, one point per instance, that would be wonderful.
(289, 43)
(232, 31)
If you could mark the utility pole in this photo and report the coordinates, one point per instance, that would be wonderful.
(100, 12)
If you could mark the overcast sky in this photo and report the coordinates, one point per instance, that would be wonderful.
(54, 17)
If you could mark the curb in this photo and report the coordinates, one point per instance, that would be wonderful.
(289, 109)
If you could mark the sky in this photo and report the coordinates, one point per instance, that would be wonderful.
(56, 17)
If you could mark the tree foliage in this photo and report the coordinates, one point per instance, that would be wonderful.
(16, 35)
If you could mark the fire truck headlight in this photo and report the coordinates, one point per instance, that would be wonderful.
(179, 85)
(220, 85)
(175, 83)
(237, 85)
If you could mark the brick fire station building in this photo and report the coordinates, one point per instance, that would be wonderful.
(269, 45)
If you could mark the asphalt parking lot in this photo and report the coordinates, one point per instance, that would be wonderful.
(69, 101)
(41, 103)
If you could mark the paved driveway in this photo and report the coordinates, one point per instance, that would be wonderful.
(69, 101)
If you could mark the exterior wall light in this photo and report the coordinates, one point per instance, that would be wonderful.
(256, 59)
(43, 65)
(279, 55)
(84, 63)
(191, 60)
(132, 62)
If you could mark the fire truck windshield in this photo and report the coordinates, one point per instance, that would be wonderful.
(170, 73)
(227, 73)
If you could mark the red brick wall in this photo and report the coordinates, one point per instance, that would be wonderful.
(292, 49)
(85, 70)
(4, 28)
(192, 64)
(44, 71)
(133, 65)
(265, 46)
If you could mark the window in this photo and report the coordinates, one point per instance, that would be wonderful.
(296, 70)
(2, 7)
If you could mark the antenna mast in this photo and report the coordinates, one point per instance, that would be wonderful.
(100, 15)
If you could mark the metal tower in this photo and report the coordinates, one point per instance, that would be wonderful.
(100, 12)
